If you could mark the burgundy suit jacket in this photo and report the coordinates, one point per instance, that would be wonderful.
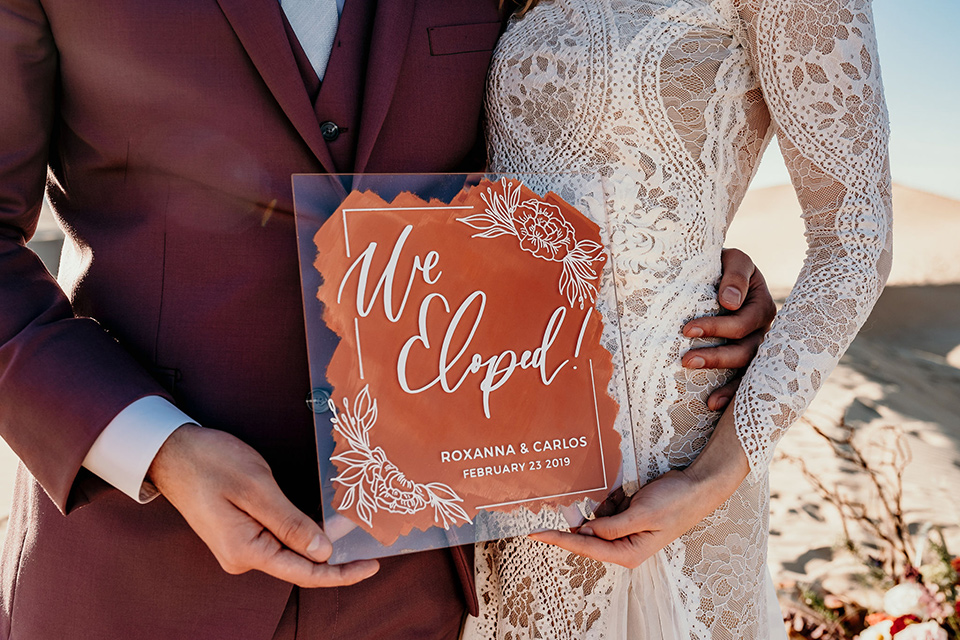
(171, 129)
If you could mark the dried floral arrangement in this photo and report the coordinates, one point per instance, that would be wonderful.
(918, 576)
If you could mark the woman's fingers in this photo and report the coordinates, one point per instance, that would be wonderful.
(628, 552)
(615, 503)
(624, 538)
(621, 525)
(658, 513)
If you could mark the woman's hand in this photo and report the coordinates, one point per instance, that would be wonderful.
(664, 509)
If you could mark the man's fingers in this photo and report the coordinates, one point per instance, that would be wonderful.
(252, 547)
(291, 567)
(272, 558)
(759, 296)
(226, 492)
(734, 326)
(737, 268)
(754, 311)
(270, 507)
(345, 574)
(734, 355)
(722, 396)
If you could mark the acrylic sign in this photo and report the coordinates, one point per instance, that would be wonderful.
(469, 375)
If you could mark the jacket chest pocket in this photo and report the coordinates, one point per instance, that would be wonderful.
(463, 38)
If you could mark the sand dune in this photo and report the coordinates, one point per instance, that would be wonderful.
(926, 236)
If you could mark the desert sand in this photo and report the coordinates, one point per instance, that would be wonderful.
(903, 371)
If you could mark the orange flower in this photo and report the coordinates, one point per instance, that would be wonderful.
(876, 618)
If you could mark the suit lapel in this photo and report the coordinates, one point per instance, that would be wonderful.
(391, 31)
(260, 27)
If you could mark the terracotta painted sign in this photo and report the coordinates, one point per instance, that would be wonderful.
(469, 375)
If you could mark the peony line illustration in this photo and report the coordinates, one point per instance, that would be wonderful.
(373, 482)
(543, 231)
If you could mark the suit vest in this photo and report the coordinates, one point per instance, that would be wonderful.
(338, 99)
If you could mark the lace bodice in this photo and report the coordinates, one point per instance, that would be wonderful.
(673, 102)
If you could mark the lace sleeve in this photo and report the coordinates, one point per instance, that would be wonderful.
(818, 69)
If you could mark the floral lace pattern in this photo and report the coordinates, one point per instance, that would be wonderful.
(673, 102)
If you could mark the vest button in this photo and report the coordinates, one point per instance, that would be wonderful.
(329, 130)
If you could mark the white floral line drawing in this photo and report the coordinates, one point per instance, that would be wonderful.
(543, 231)
(373, 482)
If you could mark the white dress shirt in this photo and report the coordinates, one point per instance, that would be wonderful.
(123, 452)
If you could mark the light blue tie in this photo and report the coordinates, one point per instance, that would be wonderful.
(315, 23)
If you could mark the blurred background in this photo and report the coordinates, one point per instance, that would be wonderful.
(903, 371)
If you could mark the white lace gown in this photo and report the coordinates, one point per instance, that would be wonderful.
(674, 101)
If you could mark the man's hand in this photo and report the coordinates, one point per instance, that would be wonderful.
(226, 493)
(744, 293)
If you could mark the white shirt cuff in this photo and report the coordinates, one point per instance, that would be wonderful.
(123, 452)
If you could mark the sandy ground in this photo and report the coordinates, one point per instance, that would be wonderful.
(903, 370)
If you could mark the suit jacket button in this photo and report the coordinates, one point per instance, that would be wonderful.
(319, 400)
(329, 130)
